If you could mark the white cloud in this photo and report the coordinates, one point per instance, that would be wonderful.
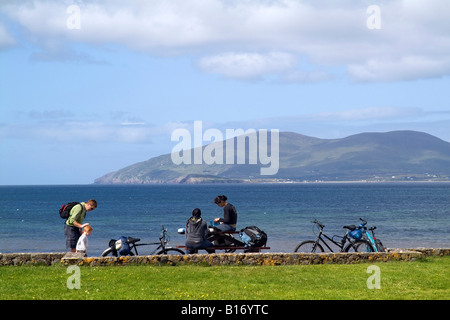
(407, 67)
(413, 42)
(342, 123)
(135, 131)
(247, 65)
(367, 114)
(49, 114)
(79, 132)
(6, 40)
(44, 129)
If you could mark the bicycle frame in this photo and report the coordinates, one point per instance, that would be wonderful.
(161, 244)
(367, 235)
(133, 244)
(371, 240)
(340, 244)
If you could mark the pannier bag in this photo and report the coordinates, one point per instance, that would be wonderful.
(356, 234)
(253, 236)
(122, 246)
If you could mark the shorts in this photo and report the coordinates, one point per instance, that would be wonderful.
(72, 235)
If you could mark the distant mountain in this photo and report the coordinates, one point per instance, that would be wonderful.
(390, 156)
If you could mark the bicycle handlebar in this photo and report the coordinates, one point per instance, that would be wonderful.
(363, 225)
(318, 223)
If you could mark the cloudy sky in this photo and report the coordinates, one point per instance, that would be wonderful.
(88, 87)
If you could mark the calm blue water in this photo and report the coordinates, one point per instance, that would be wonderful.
(406, 215)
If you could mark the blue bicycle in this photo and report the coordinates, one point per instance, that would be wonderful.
(361, 232)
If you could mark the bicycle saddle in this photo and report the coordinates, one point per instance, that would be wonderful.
(350, 227)
(132, 240)
(213, 229)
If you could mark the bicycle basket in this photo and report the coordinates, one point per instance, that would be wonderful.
(356, 234)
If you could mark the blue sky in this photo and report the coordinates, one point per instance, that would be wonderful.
(88, 87)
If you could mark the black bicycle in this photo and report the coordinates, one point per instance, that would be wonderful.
(345, 243)
(126, 245)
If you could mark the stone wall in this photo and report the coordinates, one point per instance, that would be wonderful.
(269, 259)
(16, 259)
(254, 259)
(431, 251)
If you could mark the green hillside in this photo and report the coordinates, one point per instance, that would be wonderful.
(390, 156)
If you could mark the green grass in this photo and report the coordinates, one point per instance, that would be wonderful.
(423, 279)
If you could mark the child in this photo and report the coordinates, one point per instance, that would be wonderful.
(83, 241)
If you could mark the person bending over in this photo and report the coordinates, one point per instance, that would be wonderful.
(74, 224)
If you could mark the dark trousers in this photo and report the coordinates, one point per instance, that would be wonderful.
(193, 247)
(72, 235)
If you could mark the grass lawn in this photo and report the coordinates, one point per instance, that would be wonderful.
(427, 278)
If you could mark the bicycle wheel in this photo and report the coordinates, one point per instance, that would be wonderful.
(359, 246)
(171, 251)
(309, 246)
(380, 246)
(107, 252)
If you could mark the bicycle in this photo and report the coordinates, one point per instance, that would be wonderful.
(346, 244)
(376, 244)
(130, 244)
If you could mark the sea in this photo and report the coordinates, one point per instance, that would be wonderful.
(407, 215)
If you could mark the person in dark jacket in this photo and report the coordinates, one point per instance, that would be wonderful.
(229, 220)
(197, 233)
